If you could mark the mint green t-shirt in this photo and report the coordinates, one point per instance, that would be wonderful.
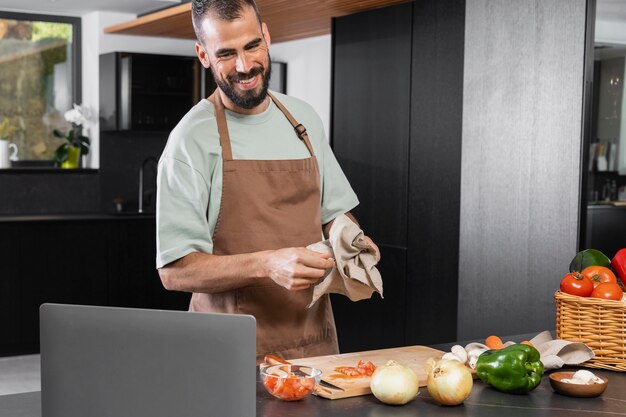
(189, 182)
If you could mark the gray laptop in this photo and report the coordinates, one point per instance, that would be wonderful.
(120, 362)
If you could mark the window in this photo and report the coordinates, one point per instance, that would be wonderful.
(39, 79)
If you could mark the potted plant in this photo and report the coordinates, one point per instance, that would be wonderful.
(68, 154)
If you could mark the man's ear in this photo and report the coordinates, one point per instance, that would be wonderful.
(266, 34)
(202, 56)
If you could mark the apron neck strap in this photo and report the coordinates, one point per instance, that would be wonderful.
(222, 127)
(299, 128)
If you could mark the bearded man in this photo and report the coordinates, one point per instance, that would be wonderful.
(246, 181)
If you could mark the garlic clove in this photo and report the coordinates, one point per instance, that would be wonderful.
(460, 351)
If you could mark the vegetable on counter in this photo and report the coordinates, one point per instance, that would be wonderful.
(588, 257)
(449, 381)
(494, 342)
(583, 377)
(608, 291)
(618, 263)
(362, 369)
(576, 283)
(289, 388)
(515, 369)
(394, 383)
(599, 274)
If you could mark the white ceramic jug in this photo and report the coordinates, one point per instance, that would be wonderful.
(5, 153)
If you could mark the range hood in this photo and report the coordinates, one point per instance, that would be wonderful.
(286, 19)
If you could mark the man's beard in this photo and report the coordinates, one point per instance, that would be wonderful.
(246, 99)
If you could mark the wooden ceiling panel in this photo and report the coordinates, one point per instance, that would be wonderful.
(286, 19)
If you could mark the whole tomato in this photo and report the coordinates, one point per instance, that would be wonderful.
(608, 291)
(575, 283)
(599, 274)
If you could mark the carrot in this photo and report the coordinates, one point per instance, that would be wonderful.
(494, 342)
(526, 342)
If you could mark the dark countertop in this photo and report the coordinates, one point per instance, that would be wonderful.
(130, 215)
(483, 401)
(606, 205)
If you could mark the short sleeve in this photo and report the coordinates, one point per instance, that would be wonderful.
(182, 201)
(337, 194)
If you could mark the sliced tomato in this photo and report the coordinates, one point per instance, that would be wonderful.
(348, 370)
(270, 382)
(308, 383)
(362, 369)
(279, 387)
(366, 368)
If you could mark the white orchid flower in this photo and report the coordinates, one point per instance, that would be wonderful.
(78, 115)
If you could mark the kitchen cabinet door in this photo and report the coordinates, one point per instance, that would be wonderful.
(435, 170)
(133, 278)
(59, 262)
(396, 132)
(10, 289)
(375, 323)
(370, 138)
(370, 115)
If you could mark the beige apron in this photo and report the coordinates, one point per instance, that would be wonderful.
(265, 205)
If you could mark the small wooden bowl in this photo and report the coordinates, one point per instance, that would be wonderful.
(576, 390)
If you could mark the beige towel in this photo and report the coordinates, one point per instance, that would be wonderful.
(355, 274)
(554, 353)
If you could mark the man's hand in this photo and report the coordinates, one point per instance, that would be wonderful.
(372, 244)
(296, 268)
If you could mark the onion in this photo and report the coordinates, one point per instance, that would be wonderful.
(449, 382)
(394, 383)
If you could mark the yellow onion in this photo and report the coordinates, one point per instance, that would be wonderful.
(449, 381)
(394, 383)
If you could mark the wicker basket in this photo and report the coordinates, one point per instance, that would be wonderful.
(600, 324)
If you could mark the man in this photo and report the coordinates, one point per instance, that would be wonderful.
(246, 182)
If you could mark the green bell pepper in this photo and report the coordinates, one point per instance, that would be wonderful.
(515, 369)
(588, 257)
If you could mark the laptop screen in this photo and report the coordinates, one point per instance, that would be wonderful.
(115, 362)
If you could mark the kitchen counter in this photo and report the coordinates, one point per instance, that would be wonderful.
(483, 401)
(12, 218)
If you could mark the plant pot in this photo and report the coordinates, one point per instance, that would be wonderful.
(73, 157)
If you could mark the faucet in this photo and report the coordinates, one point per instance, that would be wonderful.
(141, 170)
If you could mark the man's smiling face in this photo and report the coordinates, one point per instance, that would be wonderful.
(237, 52)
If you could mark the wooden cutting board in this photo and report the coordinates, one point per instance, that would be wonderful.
(343, 386)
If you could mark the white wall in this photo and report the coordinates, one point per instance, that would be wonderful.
(610, 31)
(308, 71)
(95, 43)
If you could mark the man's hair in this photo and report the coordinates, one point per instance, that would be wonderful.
(222, 9)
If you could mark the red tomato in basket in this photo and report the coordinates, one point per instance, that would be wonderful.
(575, 283)
(599, 274)
(608, 291)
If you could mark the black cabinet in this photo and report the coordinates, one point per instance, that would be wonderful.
(606, 228)
(396, 132)
(149, 92)
(97, 262)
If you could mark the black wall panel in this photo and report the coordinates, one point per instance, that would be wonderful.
(370, 137)
(435, 170)
(370, 122)
(396, 132)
